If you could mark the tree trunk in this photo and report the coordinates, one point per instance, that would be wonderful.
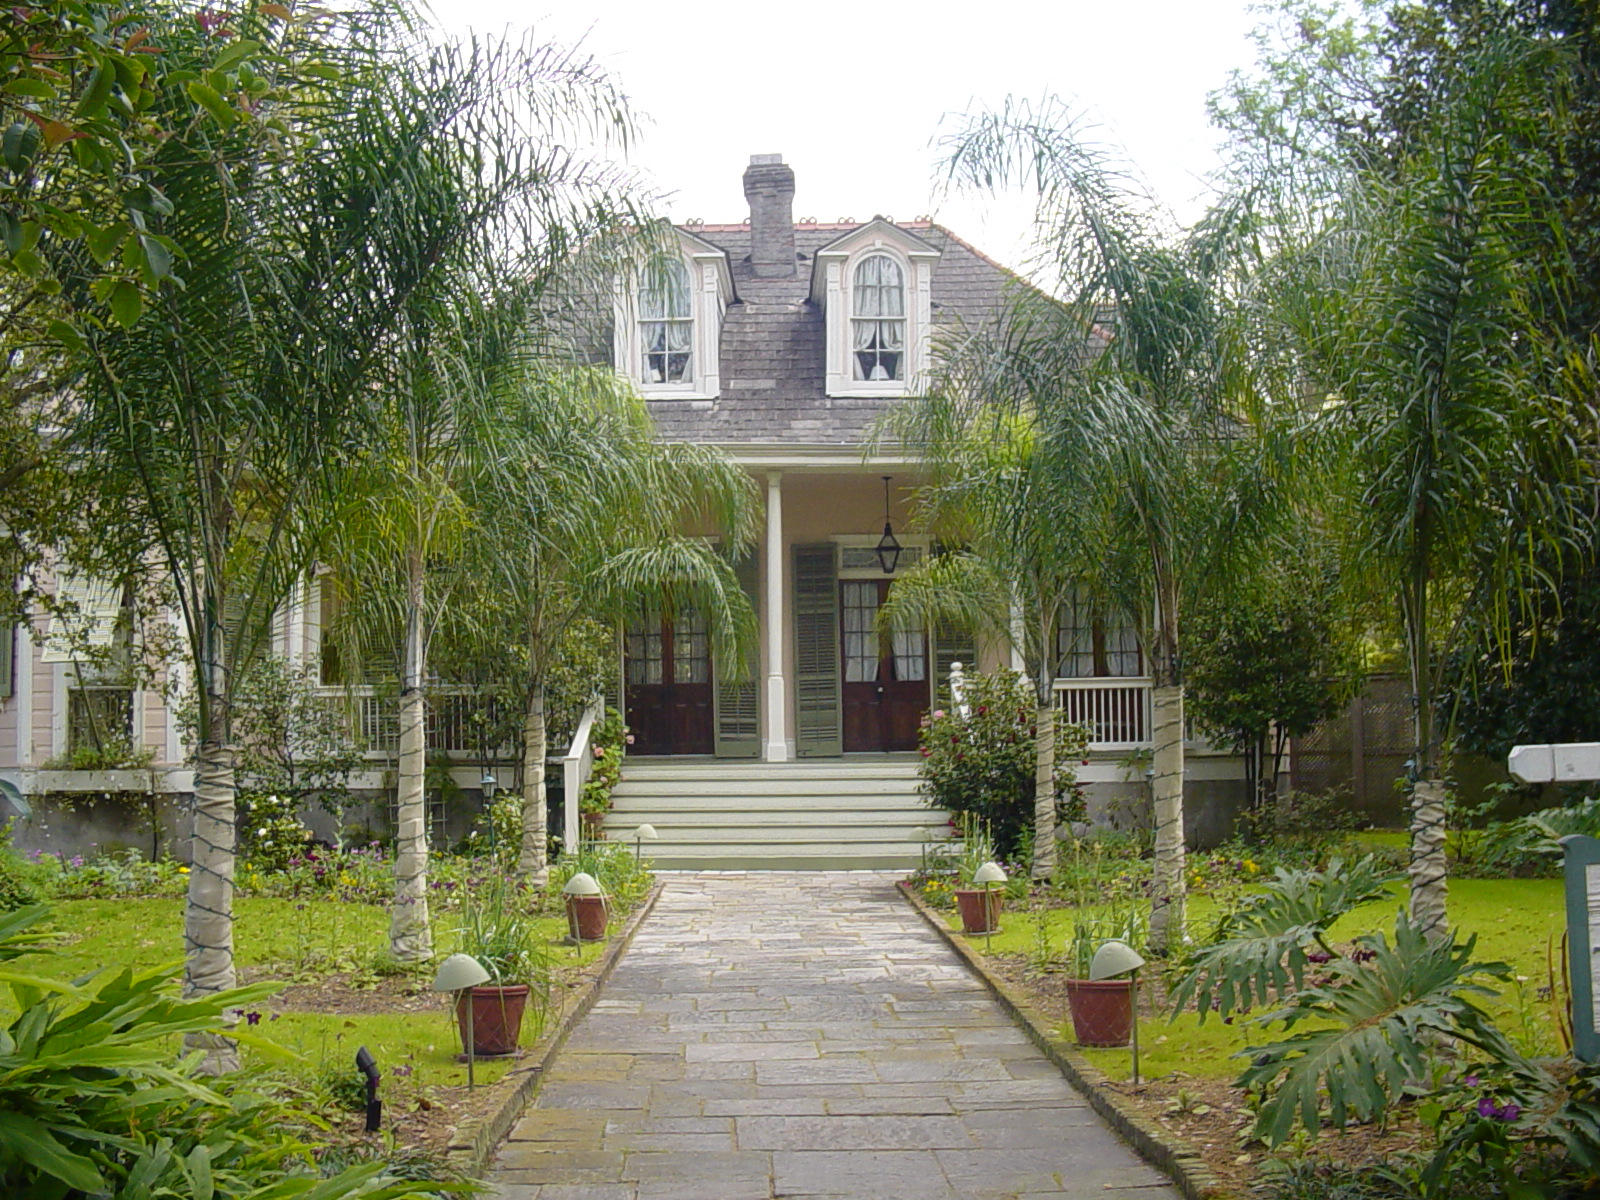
(1044, 792)
(208, 915)
(410, 930)
(534, 862)
(1428, 870)
(1167, 895)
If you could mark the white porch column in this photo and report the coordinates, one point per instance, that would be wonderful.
(776, 748)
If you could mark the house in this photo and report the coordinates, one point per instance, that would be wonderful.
(782, 343)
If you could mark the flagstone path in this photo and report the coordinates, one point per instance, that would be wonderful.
(805, 1034)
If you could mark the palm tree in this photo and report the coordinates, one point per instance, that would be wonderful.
(358, 168)
(988, 490)
(1130, 378)
(1448, 435)
(581, 513)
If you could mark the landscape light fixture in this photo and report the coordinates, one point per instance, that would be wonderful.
(1118, 958)
(645, 833)
(488, 784)
(368, 1066)
(456, 974)
(987, 876)
(888, 548)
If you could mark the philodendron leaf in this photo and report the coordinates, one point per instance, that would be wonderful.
(1375, 1026)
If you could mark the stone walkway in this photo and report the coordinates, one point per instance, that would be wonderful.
(790, 1034)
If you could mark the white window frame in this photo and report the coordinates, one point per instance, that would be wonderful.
(710, 291)
(834, 286)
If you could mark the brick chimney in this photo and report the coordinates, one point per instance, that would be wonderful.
(769, 187)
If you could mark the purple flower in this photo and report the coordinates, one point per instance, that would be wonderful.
(1491, 1111)
(252, 1018)
(1470, 1081)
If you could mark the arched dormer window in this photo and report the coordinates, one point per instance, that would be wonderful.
(874, 285)
(878, 320)
(666, 322)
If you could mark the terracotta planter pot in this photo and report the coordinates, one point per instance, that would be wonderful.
(974, 919)
(496, 1018)
(586, 918)
(1102, 1011)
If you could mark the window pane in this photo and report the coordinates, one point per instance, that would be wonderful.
(644, 648)
(910, 657)
(1075, 642)
(667, 350)
(860, 634)
(691, 651)
(666, 327)
(1122, 648)
(664, 291)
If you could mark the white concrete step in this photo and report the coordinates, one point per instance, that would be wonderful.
(827, 814)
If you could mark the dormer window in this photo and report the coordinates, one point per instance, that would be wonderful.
(666, 321)
(874, 285)
(878, 319)
(667, 333)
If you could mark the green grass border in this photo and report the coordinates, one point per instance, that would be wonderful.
(476, 1139)
(1157, 1145)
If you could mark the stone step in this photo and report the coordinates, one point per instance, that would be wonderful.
(745, 786)
(633, 798)
(741, 815)
(909, 818)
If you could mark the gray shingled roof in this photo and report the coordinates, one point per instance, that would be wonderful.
(773, 344)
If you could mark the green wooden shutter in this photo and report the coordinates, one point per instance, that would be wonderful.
(8, 659)
(738, 702)
(816, 661)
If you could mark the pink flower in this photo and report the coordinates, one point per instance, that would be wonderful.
(630, 739)
(599, 751)
(937, 713)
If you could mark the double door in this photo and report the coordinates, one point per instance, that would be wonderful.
(884, 685)
(668, 669)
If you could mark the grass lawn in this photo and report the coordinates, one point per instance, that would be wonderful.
(292, 942)
(1517, 921)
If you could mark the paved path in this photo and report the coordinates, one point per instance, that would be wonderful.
(805, 1035)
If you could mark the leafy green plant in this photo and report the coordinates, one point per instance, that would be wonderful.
(1124, 923)
(978, 760)
(609, 739)
(1260, 949)
(623, 878)
(92, 1102)
(498, 929)
(1378, 1025)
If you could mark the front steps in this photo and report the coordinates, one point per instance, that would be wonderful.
(819, 815)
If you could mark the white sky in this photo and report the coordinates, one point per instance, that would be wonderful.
(852, 94)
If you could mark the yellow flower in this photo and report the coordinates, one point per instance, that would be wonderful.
(183, 870)
(1250, 866)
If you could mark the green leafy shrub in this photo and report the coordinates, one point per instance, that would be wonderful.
(979, 763)
(270, 831)
(622, 877)
(1260, 949)
(609, 739)
(93, 1104)
(1377, 1024)
(1527, 847)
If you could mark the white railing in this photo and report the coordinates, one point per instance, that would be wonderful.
(576, 765)
(1117, 711)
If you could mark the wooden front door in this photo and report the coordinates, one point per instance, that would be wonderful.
(885, 679)
(670, 708)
